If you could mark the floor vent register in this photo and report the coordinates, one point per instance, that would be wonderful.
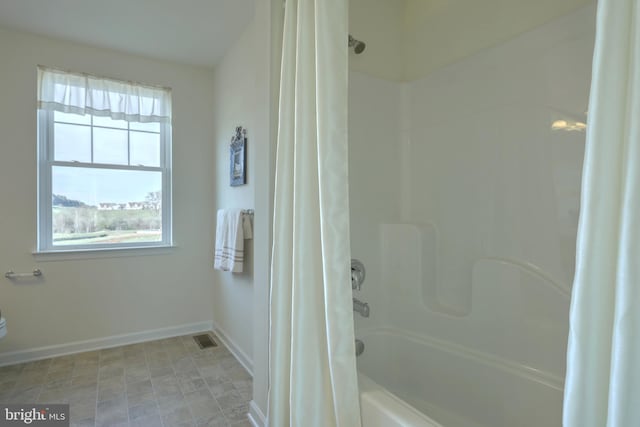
(205, 341)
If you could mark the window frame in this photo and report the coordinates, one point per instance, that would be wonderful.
(46, 162)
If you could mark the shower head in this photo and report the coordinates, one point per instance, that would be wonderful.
(357, 45)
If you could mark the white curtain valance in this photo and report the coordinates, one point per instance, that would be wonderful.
(80, 93)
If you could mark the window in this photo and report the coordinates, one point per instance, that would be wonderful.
(104, 163)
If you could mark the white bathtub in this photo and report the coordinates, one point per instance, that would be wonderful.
(380, 408)
(421, 382)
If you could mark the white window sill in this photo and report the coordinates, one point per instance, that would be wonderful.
(74, 254)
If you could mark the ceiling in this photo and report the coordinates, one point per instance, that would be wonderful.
(196, 32)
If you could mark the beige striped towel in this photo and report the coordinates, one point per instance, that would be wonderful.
(232, 228)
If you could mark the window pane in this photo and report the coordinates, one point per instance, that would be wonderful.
(72, 118)
(110, 146)
(72, 143)
(102, 206)
(145, 149)
(109, 122)
(149, 127)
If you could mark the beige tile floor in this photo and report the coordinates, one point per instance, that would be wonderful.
(165, 383)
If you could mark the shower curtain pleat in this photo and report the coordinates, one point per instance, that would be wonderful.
(603, 380)
(312, 375)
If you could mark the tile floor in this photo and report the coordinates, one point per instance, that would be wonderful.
(165, 383)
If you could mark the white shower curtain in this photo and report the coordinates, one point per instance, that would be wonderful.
(603, 361)
(312, 375)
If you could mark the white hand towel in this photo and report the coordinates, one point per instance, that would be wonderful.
(247, 227)
(229, 251)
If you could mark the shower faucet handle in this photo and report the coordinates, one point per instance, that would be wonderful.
(357, 274)
(361, 307)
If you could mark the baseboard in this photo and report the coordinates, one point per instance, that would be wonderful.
(256, 417)
(234, 348)
(102, 343)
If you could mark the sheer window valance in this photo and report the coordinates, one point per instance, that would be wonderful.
(85, 94)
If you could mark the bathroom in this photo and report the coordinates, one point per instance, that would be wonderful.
(458, 149)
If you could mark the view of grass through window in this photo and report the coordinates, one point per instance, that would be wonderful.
(76, 223)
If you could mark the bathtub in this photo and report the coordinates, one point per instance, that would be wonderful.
(381, 408)
(412, 381)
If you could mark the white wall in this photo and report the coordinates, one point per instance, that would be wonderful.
(380, 24)
(408, 39)
(234, 105)
(245, 93)
(440, 32)
(81, 299)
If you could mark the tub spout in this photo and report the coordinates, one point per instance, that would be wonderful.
(361, 307)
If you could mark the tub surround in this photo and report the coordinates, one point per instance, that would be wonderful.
(470, 249)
